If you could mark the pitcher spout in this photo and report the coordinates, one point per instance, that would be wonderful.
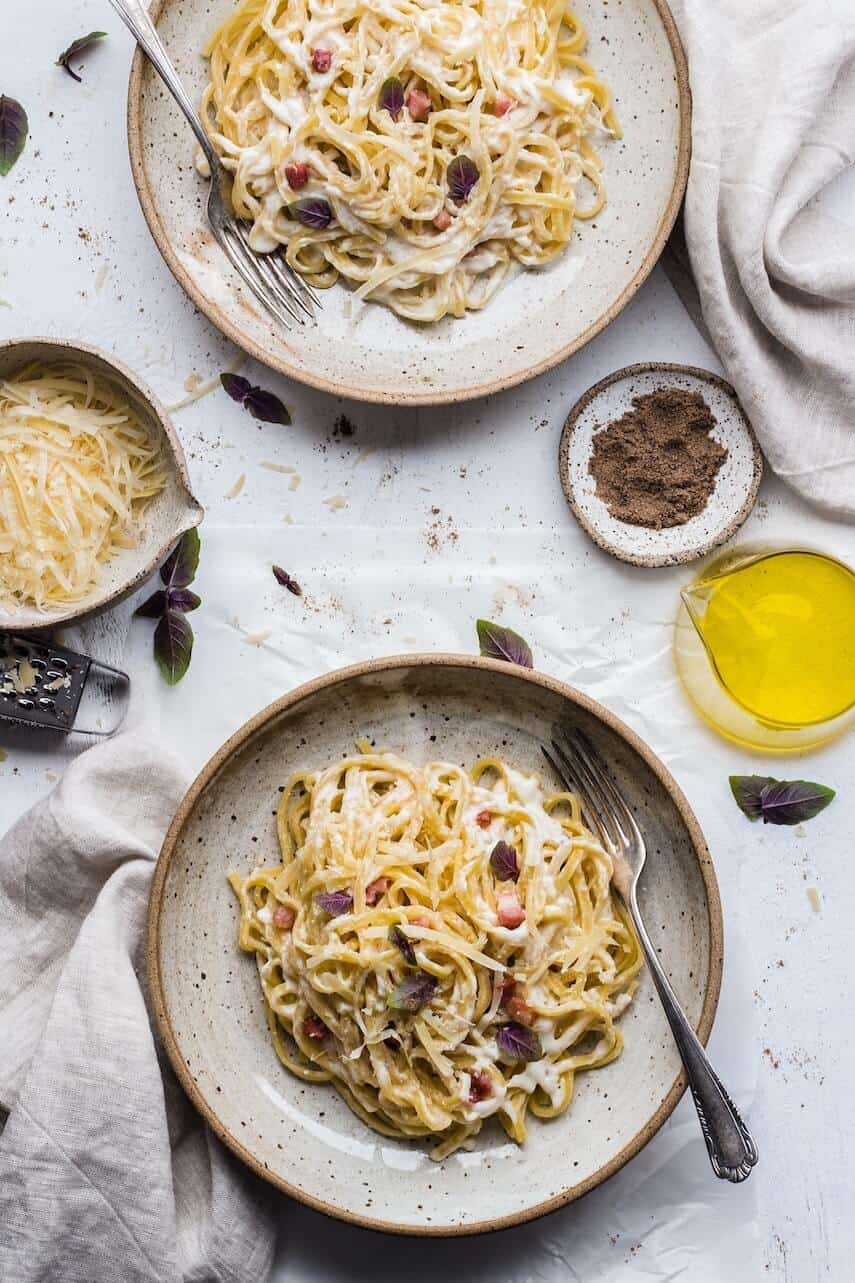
(696, 598)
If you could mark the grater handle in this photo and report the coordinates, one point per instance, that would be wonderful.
(104, 702)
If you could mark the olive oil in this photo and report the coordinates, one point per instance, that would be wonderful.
(779, 631)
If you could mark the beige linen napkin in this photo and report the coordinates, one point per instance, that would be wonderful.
(773, 89)
(106, 1172)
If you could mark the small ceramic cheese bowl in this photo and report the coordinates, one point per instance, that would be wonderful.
(167, 517)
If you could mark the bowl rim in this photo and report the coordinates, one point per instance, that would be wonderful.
(71, 349)
(405, 394)
(237, 742)
(730, 525)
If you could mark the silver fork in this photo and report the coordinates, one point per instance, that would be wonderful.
(729, 1143)
(280, 289)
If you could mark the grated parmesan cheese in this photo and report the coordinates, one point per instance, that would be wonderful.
(235, 489)
(23, 677)
(196, 389)
(259, 638)
(58, 684)
(77, 470)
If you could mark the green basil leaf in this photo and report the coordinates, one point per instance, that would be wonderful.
(153, 607)
(14, 128)
(413, 993)
(282, 577)
(173, 646)
(747, 791)
(77, 47)
(179, 569)
(504, 863)
(183, 599)
(518, 1042)
(761, 797)
(498, 642)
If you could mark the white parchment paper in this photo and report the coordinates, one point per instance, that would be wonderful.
(600, 626)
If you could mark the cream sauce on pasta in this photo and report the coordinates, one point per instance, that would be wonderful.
(476, 892)
(501, 83)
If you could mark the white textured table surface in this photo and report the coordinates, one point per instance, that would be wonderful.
(451, 514)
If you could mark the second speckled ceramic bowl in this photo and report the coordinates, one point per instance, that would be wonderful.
(536, 320)
(207, 999)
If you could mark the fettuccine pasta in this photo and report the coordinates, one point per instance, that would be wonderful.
(442, 945)
(416, 148)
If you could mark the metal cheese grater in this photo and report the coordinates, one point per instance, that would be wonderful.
(45, 685)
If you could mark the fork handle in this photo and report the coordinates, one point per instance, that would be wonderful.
(730, 1145)
(136, 17)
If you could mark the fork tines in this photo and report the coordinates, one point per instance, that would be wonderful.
(273, 289)
(281, 276)
(582, 770)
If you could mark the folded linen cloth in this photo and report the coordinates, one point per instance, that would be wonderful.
(773, 93)
(106, 1172)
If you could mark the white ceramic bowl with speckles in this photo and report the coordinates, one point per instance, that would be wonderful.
(536, 320)
(166, 518)
(736, 485)
(207, 999)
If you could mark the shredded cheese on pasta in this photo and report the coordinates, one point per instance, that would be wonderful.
(77, 468)
(295, 109)
(388, 886)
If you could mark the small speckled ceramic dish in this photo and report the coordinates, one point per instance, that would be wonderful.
(166, 518)
(207, 1000)
(736, 485)
(536, 319)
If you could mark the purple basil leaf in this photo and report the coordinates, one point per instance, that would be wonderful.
(153, 607)
(181, 565)
(334, 902)
(413, 993)
(265, 406)
(183, 599)
(792, 801)
(503, 862)
(503, 643)
(173, 646)
(779, 801)
(518, 1042)
(14, 128)
(748, 791)
(236, 386)
(404, 943)
(77, 47)
(461, 175)
(282, 577)
(391, 97)
(312, 211)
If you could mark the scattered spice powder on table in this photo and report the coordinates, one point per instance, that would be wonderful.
(656, 466)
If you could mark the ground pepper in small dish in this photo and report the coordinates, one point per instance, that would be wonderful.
(656, 466)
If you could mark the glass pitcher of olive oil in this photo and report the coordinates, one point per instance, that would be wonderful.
(765, 646)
